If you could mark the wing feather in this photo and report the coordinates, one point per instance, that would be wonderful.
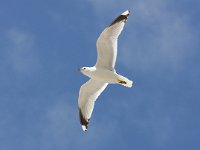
(88, 94)
(107, 42)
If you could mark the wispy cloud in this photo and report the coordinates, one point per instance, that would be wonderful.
(19, 51)
(158, 37)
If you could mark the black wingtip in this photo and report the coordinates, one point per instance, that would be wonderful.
(84, 122)
(122, 17)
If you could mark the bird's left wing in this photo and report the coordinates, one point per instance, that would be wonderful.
(88, 94)
(107, 42)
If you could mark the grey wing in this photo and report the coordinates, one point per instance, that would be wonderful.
(88, 94)
(107, 42)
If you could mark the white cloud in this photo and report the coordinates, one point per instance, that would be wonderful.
(165, 41)
(19, 51)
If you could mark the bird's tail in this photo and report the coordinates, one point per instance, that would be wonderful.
(124, 81)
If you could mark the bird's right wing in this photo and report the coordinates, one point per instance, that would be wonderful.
(88, 94)
(107, 42)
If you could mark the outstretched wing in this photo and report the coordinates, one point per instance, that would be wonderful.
(88, 94)
(107, 42)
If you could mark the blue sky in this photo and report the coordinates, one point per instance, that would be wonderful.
(42, 43)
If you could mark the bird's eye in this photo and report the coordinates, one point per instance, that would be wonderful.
(84, 68)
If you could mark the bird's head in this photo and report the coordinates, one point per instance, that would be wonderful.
(84, 69)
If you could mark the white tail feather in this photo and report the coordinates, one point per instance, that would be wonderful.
(124, 81)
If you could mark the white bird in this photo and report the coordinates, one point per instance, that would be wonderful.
(103, 73)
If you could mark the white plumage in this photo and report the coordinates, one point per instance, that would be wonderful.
(88, 94)
(103, 72)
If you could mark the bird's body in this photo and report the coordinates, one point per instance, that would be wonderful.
(103, 73)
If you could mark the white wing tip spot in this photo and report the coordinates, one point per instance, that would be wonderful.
(84, 128)
(127, 12)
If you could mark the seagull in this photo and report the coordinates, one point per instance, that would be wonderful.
(103, 73)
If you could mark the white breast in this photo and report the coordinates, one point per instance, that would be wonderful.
(103, 75)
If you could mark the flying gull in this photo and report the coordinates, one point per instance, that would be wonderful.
(103, 73)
